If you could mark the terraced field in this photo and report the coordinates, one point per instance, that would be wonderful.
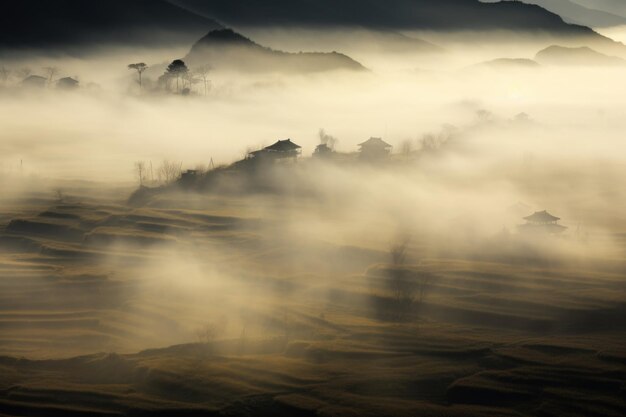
(205, 306)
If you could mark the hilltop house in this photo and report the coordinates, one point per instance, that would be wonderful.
(188, 177)
(323, 151)
(279, 150)
(374, 149)
(542, 222)
(67, 83)
(35, 81)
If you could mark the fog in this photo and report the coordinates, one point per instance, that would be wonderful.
(487, 169)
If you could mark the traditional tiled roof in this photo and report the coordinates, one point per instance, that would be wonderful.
(375, 142)
(541, 217)
(283, 146)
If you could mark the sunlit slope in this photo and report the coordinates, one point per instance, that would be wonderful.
(261, 323)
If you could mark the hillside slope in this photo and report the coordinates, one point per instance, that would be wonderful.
(583, 56)
(65, 23)
(617, 7)
(574, 13)
(226, 49)
(402, 14)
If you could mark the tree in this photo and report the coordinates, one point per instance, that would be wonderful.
(140, 169)
(24, 72)
(326, 139)
(203, 73)
(169, 171)
(190, 79)
(59, 194)
(406, 147)
(140, 68)
(4, 74)
(51, 72)
(408, 286)
(177, 69)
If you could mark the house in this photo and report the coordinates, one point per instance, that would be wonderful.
(190, 173)
(542, 222)
(35, 81)
(279, 150)
(374, 149)
(67, 83)
(323, 151)
(189, 177)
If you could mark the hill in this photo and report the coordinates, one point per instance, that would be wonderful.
(67, 23)
(582, 56)
(444, 16)
(264, 321)
(229, 50)
(617, 7)
(402, 14)
(574, 13)
(508, 63)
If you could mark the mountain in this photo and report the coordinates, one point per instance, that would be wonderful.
(617, 7)
(225, 49)
(441, 16)
(353, 41)
(80, 24)
(43, 24)
(582, 56)
(377, 14)
(573, 12)
(508, 63)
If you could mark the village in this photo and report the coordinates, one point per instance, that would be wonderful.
(250, 171)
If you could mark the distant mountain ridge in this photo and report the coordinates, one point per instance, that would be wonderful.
(377, 14)
(508, 63)
(66, 23)
(227, 49)
(573, 12)
(617, 7)
(442, 16)
(582, 56)
(555, 55)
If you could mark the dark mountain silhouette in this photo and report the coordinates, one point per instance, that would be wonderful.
(67, 23)
(617, 7)
(388, 41)
(227, 49)
(73, 24)
(377, 14)
(508, 63)
(582, 56)
(421, 15)
(350, 41)
(573, 12)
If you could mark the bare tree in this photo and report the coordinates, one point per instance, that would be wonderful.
(140, 68)
(408, 285)
(169, 171)
(4, 74)
(190, 80)
(484, 116)
(207, 333)
(406, 147)
(51, 72)
(59, 195)
(326, 139)
(203, 73)
(24, 72)
(140, 169)
(402, 287)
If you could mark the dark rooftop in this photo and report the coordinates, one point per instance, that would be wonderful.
(541, 217)
(283, 146)
(375, 142)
